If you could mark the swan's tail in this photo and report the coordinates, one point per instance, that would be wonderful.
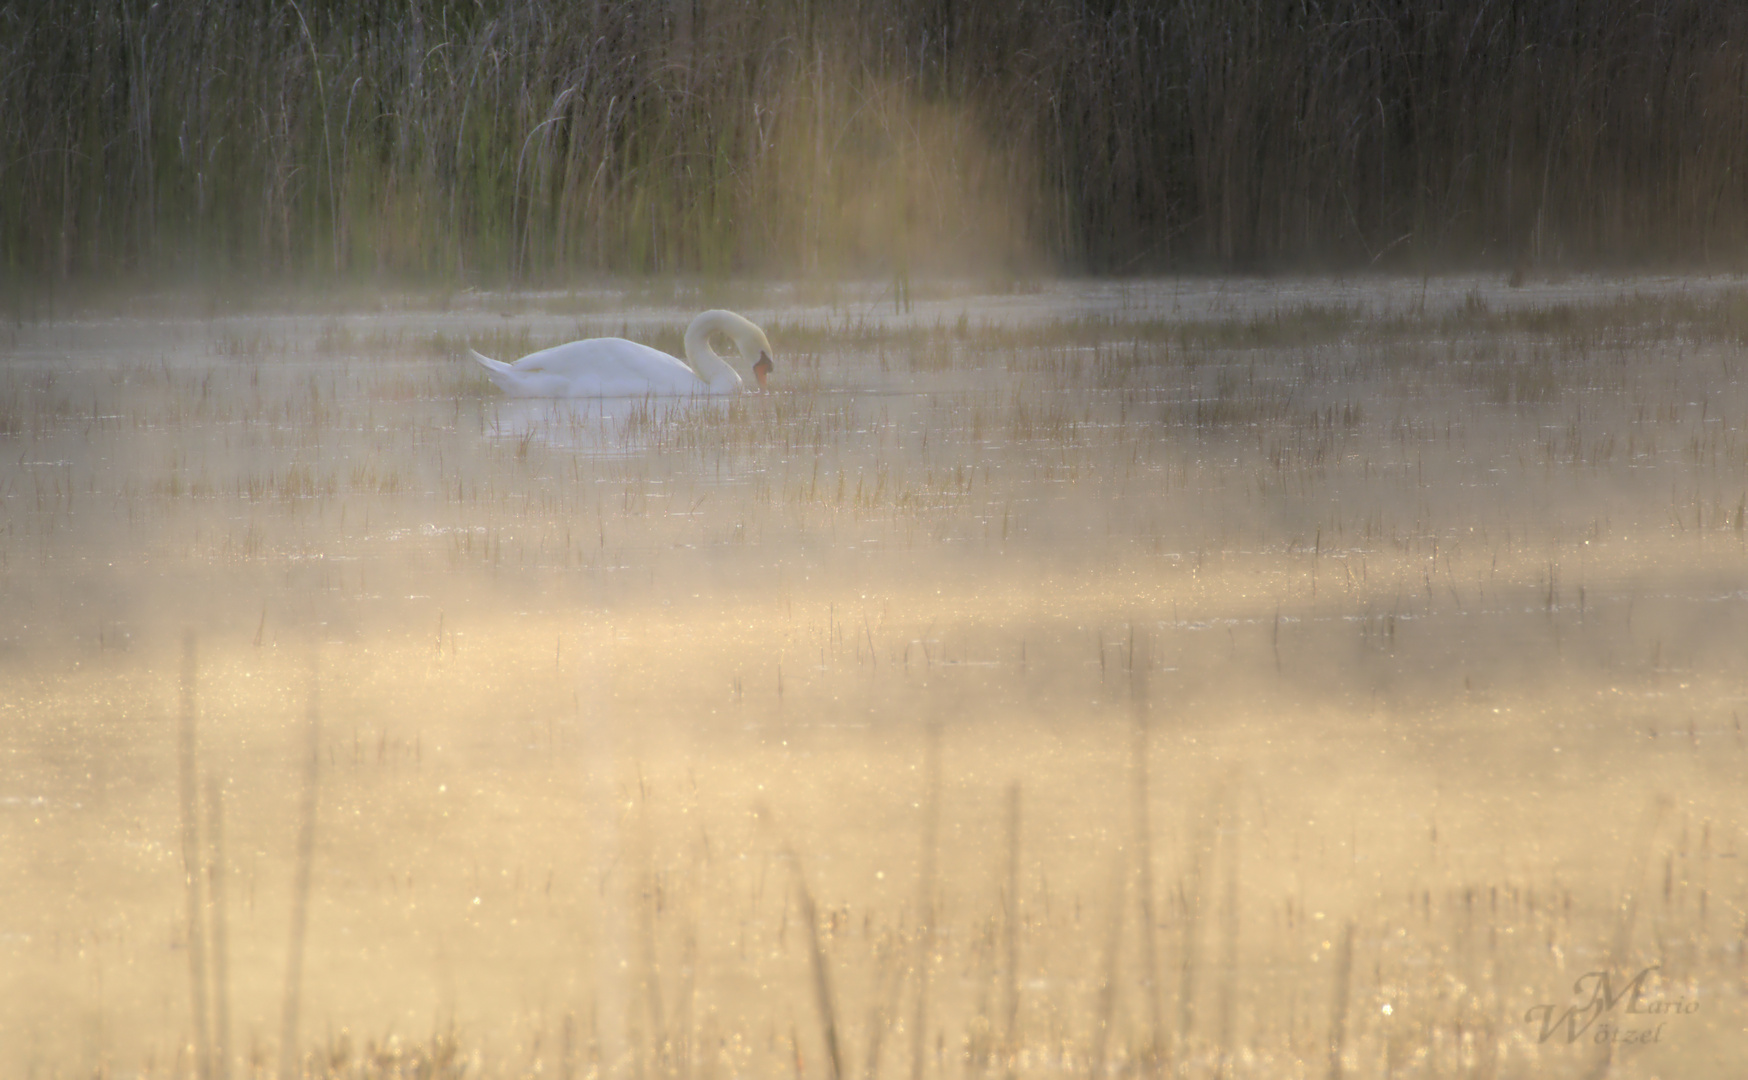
(487, 362)
(496, 370)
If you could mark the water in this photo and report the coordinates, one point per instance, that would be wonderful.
(1424, 593)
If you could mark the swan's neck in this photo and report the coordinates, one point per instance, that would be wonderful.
(711, 368)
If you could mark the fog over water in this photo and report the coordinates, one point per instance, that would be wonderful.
(1196, 675)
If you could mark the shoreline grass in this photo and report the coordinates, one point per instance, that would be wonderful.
(482, 143)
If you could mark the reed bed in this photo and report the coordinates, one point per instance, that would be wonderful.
(228, 143)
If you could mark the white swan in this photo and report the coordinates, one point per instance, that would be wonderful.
(615, 367)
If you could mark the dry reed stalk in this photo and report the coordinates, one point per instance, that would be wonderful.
(822, 987)
(1011, 937)
(889, 983)
(221, 963)
(1190, 898)
(820, 975)
(1105, 1012)
(646, 932)
(652, 986)
(1229, 928)
(925, 947)
(188, 788)
(567, 1055)
(289, 1057)
(1338, 1002)
(611, 1020)
(685, 1018)
(1152, 1056)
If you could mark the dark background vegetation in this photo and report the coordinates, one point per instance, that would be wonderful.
(534, 140)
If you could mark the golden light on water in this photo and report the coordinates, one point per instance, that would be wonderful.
(1201, 677)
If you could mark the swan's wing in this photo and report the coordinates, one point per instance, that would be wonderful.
(612, 367)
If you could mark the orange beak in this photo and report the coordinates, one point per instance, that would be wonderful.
(762, 370)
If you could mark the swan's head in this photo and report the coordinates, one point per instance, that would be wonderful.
(753, 343)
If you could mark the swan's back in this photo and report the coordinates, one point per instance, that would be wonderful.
(599, 367)
(615, 367)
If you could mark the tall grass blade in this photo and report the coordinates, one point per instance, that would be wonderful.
(290, 1056)
(925, 943)
(1139, 665)
(188, 787)
(221, 961)
(1011, 925)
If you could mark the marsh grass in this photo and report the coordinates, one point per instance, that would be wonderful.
(1369, 678)
(468, 143)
